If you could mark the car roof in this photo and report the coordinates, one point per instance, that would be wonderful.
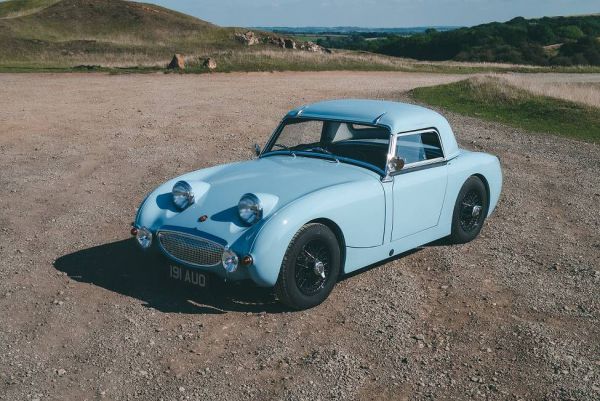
(398, 117)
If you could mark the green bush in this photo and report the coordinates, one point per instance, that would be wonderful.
(517, 41)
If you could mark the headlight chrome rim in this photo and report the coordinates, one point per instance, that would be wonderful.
(182, 193)
(144, 237)
(230, 260)
(250, 209)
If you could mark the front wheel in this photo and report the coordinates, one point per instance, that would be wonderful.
(470, 211)
(310, 267)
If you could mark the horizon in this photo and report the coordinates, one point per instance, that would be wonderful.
(356, 26)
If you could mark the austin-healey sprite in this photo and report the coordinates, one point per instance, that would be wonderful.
(340, 185)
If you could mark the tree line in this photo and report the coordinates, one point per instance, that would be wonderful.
(546, 41)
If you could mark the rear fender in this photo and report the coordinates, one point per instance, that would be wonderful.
(462, 167)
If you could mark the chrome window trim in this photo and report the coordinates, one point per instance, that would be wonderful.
(416, 165)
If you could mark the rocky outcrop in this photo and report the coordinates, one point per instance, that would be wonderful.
(289, 44)
(275, 40)
(312, 47)
(177, 63)
(210, 63)
(249, 38)
(286, 43)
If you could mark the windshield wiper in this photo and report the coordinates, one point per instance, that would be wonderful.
(314, 149)
(285, 148)
(320, 149)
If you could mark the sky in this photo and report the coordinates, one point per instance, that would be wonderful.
(373, 13)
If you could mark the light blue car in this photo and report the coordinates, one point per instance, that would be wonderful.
(340, 185)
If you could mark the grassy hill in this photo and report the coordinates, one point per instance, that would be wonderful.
(546, 41)
(107, 20)
(19, 8)
(58, 33)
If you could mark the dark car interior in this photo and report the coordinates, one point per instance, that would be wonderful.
(364, 143)
(359, 143)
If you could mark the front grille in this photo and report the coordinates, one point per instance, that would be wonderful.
(190, 249)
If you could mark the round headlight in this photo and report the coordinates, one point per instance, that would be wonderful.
(230, 260)
(143, 237)
(250, 209)
(182, 194)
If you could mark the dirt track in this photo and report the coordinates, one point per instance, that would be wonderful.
(512, 315)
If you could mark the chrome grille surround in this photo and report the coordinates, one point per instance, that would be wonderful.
(190, 249)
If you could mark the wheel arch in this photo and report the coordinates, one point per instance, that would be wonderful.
(485, 167)
(487, 188)
(335, 207)
(338, 234)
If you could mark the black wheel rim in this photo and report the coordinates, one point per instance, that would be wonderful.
(471, 211)
(313, 265)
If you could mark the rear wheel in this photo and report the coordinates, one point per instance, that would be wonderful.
(310, 267)
(470, 211)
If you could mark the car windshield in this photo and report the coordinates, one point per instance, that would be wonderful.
(344, 141)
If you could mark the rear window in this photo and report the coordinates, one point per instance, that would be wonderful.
(419, 147)
(340, 131)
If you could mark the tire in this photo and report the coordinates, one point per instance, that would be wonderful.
(470, 211)
(310, 267)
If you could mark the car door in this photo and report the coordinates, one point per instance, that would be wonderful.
(420, 186)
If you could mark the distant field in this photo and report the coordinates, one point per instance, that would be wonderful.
(496, 99)
(259, 59)
(576, 90)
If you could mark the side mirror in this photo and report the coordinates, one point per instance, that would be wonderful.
(395, 164)
(256, 149)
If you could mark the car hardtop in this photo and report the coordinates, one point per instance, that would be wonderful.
(397, 117)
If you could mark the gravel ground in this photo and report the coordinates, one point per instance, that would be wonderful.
(514, 315)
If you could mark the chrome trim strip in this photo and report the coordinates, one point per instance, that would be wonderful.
(438, 163)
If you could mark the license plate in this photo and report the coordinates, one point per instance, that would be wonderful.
(188, 276)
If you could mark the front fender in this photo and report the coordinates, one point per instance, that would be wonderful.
(156, 209)
(357, 208)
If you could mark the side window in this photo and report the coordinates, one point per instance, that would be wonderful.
(419, 147)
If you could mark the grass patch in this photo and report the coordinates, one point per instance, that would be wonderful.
(79, 68)
(493, 100)
(114, 58)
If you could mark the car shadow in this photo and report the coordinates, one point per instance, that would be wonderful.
(436, 243)
(378, 264)
(122, 268)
